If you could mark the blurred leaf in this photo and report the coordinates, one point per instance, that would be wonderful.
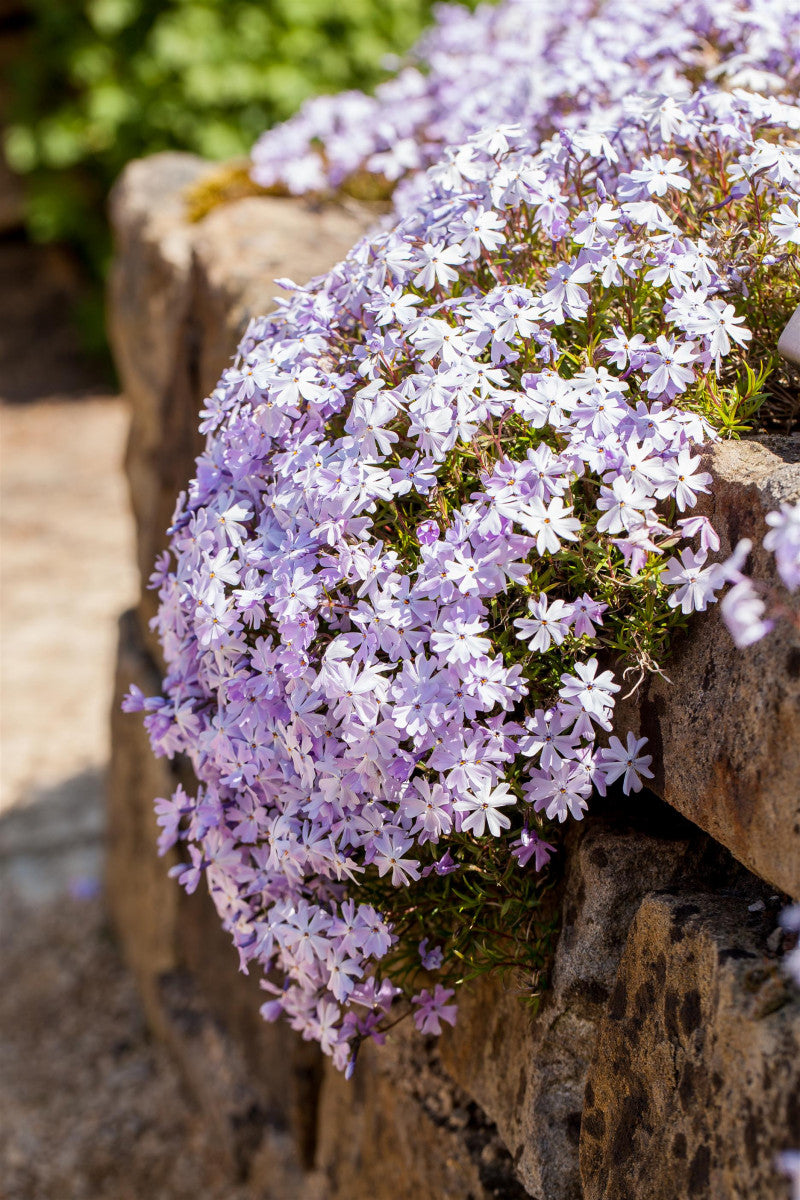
(20, 149)
(110, 16)
(104, 81)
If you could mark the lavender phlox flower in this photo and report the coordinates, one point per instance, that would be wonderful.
(459, 640)
(430, 808)
(692, 526)
(559, 792)
(427, 533)
(586, 680)
(548, 624)
(546, 399)
(481, 809)
(530, 846)
(445, 865)
(695, 585)
(743, 613)
(599, 412)
(389, 854)
(783, 539)
(549, 524)
(667, 365)
(432, 1008)
(169, 814)
(565, 295)
(549, 735)
(417, 472)
(617, 760)
(623, 504)
(717, 323)
(136, 701)
(625, 350)
(785, 224)
(479, 229)
(680, 477)
(595, 224)
(587, 613)
(431, 958)
(657, 174)
(342, 972)
(437, 265)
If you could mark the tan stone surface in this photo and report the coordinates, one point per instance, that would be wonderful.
(248, 1076)
(149, 301)
(400, 1130)
(695, 1081)
(725, 732)
(529, 1073)
(242, 247)
(144, 903)
(180, 297)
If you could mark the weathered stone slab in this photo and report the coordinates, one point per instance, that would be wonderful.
(254, 1080)
(401, 1129)
(180, 297)
(149, 303)
(529, 1073)
(496, 1108)
(725, 732)
(143, 901)
(695, 1083)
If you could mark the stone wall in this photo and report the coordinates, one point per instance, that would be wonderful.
(664, 1061)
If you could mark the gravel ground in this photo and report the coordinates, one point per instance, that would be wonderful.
(90, 1107)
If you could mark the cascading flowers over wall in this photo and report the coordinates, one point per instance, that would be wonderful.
(444, 514)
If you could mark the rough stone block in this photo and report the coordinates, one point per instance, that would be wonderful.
(695, 1082)
(143, 901)
(401, 1129)
(496, 1108)
(253, 1079)
(724, 730)
(528, 1073)
(149, 306)
(181, 295)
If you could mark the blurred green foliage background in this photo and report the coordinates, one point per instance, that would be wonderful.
(98, 82)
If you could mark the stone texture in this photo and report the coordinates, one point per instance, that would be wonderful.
(180, 296)
(497, 1107)
(725, 731)
(149, 305)
(695, 1082)
(252, 1079)
(143, 901)
(528, 1073)
(402, 1129)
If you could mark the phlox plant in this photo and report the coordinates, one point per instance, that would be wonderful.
(444, 515)
(542, 64)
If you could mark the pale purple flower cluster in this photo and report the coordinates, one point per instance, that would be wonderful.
(331, 609)
(745, 610)
(544, 65)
